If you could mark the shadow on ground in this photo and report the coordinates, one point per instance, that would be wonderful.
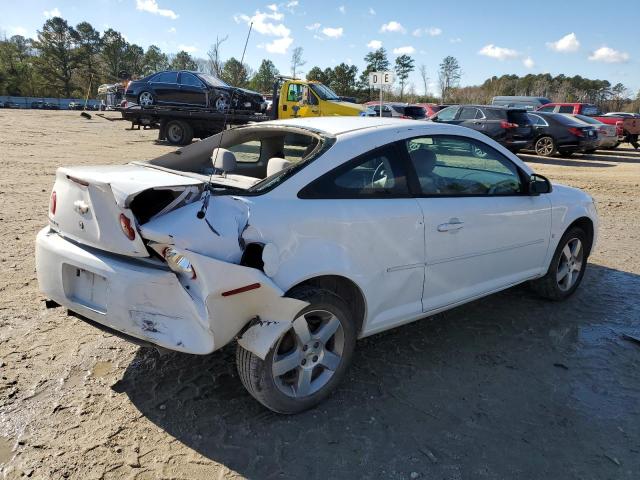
(506, 387)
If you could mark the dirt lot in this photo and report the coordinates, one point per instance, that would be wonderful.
(507, 387)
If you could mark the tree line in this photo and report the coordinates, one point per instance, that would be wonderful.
(71, 61)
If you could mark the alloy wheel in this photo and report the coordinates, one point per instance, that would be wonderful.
(544, 146)
(145, 99)
(308, 355)
(570, 264)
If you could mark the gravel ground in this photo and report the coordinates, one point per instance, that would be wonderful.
(507, 387)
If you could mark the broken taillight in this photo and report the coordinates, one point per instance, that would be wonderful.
(127, 229)
(178, 262)
(53, 203)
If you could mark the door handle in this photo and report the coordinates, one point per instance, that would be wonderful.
(453, 225)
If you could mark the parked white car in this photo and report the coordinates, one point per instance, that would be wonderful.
(297, 237)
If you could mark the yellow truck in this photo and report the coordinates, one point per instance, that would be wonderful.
(307, 98)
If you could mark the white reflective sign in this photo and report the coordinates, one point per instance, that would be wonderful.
(380, 78)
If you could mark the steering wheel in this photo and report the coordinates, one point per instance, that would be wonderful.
(379, 175)
(496, 187)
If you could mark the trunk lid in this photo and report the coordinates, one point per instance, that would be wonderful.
(89, 202)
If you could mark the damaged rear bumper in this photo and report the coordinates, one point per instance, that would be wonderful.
(150, 303)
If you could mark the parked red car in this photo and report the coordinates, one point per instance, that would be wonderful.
(431, 108)
(628, 128)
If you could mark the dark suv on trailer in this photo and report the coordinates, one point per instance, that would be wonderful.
(510, 127)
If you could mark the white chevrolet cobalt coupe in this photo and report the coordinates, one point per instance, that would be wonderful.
(294, 238)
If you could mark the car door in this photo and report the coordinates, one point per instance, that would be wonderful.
(472, 117)
(294, 101)
(192, 90)
(364, 208)
(165, 88)
(483, 232)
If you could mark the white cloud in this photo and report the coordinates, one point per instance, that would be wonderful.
(528, 63)
(342, 9)
(431, 31)
(318, 37)
(313, 27)
(172, 30)
(279, 45)
(407, 50)
(292, 4)
(568, 43)
(374, 44)
(609, 55)
(262, 23)
(273, 7)
(392, 26)
(500, 53)
(455, 40)
(152, 6)
(333, 32)
(371, 11)
(55, 12)
(188, 48)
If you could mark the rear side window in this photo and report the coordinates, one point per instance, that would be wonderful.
(378, 174)
(521, 118)
(591, 110)
(470, 113)
(565, 109)
(166, 77)
(537, 120)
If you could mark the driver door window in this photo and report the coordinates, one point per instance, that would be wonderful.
(459, 166)
(379, 174)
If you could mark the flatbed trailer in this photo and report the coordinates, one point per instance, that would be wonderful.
(179, 125)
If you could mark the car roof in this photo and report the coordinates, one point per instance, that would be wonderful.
(341, 125)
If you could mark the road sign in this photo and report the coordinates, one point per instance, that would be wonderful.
(380, 78)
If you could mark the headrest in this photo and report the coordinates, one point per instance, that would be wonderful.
(423, 160)
(276, 164)
(223, 159)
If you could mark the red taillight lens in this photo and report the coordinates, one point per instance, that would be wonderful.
(53, 203)
(127, 229)
(506, 125)
(619, 129)
(576, 131)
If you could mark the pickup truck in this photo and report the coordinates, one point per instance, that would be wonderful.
(628, 129)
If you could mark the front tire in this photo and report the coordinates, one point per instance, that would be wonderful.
(567, 267)
(545, 146)
(308, 361)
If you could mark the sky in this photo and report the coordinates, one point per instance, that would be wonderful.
(490, 37)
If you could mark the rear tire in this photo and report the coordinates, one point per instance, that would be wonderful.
(308, 361)
(567, 267)
(146, 99)
(545, 146)
(178, 132)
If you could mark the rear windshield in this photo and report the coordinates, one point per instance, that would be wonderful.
(565, 120)
(590, 110)
(521, 118)
(414, 112)
(590, 120)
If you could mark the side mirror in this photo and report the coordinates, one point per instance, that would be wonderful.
(435, 119)
(539, 184)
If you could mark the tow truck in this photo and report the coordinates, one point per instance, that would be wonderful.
(292, 98)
